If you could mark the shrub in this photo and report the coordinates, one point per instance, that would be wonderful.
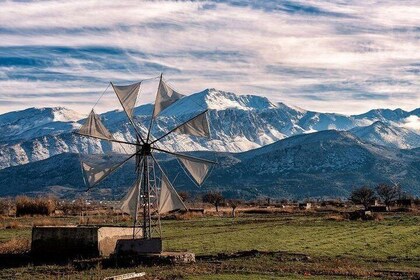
(4, 206)
(363, 216)
(377, 217)
(72, 207)
(35, 206)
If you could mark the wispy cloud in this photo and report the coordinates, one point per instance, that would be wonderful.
(345, 57)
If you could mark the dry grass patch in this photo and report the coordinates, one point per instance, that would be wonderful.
(48, 222)
(13, 225)
(15, 246)
(335, 217)
(378, 217)
(26, 206)
(188, 216)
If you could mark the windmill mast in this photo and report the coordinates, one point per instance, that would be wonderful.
(145, 194)
(148, 194)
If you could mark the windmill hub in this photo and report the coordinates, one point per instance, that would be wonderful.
(146, 149)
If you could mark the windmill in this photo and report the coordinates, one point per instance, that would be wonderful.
(150, 194)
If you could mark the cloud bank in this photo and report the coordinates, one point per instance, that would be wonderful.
(331, 56)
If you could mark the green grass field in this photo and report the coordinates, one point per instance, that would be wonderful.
(396, 236)
(335, 249)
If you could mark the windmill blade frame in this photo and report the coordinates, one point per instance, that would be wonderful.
(185, 156)
(117, 166)
(112, 141)
(178, 126)
(145, 187)
(196, 173)
(163, 174)
(128, 114)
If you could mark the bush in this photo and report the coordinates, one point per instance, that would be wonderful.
(4, 206)
(363, 216)
(73, 208)
(377, 217)
(35, 206)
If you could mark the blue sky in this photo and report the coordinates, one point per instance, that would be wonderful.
(330, 56)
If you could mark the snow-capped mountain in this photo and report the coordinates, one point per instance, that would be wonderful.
(321, 164)
(387, 134)
(238, 123)
(36, 122)
(326, 163)
(385, 115)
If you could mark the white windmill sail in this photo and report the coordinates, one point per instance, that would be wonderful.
(94, 173)
(127, 96)
(197, 168)
(165, 97)
(198, 126)
(94, 127)
(129, 202)
(169, 199)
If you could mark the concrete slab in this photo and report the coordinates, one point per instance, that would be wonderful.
(69, 242)
(138, 246)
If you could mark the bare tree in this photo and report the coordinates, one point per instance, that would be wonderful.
(4, 206)
(363, 195)
(234, 203)
(387, 193)
(215, 198)
(184, 195)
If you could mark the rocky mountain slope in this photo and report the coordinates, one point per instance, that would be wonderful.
(388, 134)
(322, 164)
(238, 123)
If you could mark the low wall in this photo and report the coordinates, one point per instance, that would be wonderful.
(108, 236)
(67, 242)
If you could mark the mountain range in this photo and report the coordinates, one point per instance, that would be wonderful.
(263, 148)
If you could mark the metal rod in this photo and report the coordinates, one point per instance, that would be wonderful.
(156, 201)
(185, 156)
(145, 198)
(138, 185)
(153, 113)
(110, 140)
(149, 215)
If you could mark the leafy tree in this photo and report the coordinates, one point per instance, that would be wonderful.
(363, 195)
(387, 193)
(215, 198)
